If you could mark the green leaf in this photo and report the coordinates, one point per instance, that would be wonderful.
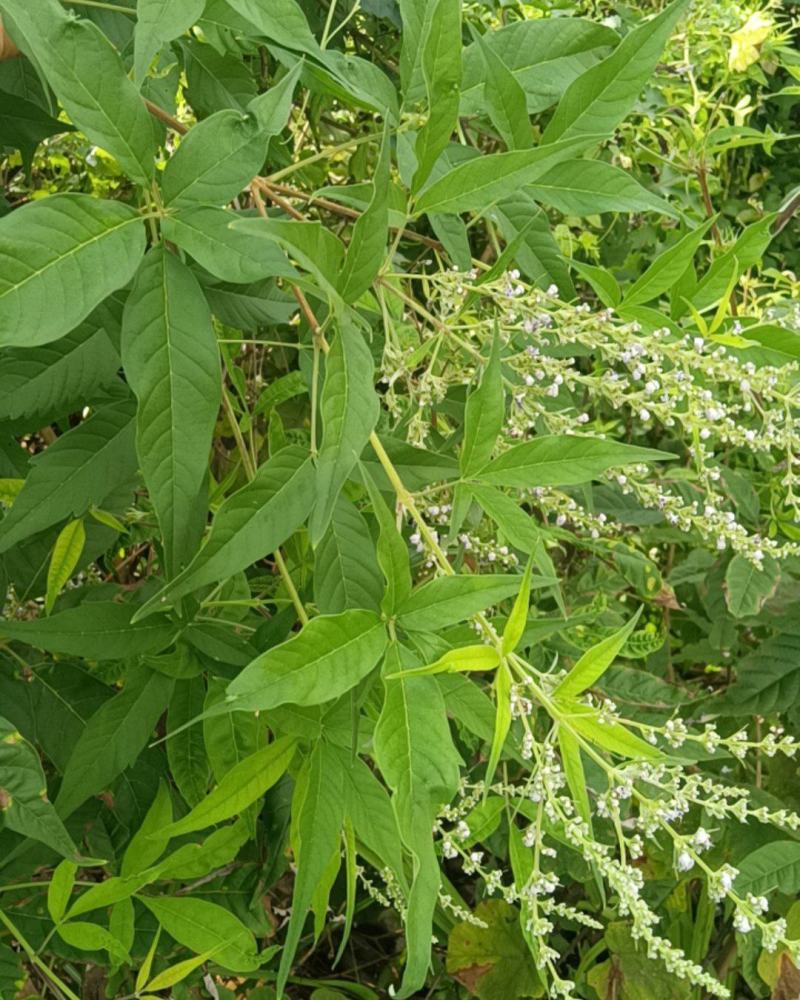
(599, 99)
(667, 269)
(250, 524)
(273, 107)
(186, 752)
(218, 157)
(24, 805)
(611, 736)
(215, 81)
(246, 782)
(150, 840)
(392, 550)
(170, 356)
(570, 751)
(414, 750)
(505, 99)
(544, 54)
(595, 661)
(463, 659)
(743, 254)
(518, 619)
(87, 74)
(113, 738)
(770, 867)
(58, 377)
(201, 927)
(329, 656)
(66, 553)
(502, 724)
(61, 257)
(59, 890)
(349, 409)
(178, 972)
(749, 586)
(768, 679)
(484, 415)
(602, 281)
(317, 817)
(282, 22)
(370, 810)
(588, 187)
(206, 233)
(441, 70)
(158, 22)
(367, 249)
(525, 223)
(93, 937)
(346, 572)
(478, 183)
(563, 460)
(23, 124)
(451, 599)
(79, 470)
(96, 630)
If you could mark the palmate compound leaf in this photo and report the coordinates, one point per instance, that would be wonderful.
(87, 74)
(78, 471)
(59, 258)
(329, 656)
(170, 356)
(563, 460)
(24, 806)
(249, 525)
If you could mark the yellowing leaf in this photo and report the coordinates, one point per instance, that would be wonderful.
(747, 41)
(66, 553)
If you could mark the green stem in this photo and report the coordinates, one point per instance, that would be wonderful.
(34, 959)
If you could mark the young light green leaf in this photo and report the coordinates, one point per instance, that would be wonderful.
(668, 268)
(61, 257)
(570, 751)
(480, 182)
(563, 460)
(178, 972)
(611, 736)
(451, 599)
(349, 408)
(465, 659)
(77, 471)
(595, 661)
(484, 415)
(158, 22)
(743, 254)
(502, 723)
(60, 888)
(170, 356)
(441, 70)
(66, 553)
(93, 937)
(86, 72)
(504, 98)
(246, 782)
(329, 656)
(24, 805)
(202, 927)
(113, 738)
(518, 619)
(368, 243)
(600, 98)
(250, 524)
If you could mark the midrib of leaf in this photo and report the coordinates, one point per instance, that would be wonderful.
(65, 256)
(224, 160)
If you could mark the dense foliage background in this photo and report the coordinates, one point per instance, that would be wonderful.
(399, 476)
